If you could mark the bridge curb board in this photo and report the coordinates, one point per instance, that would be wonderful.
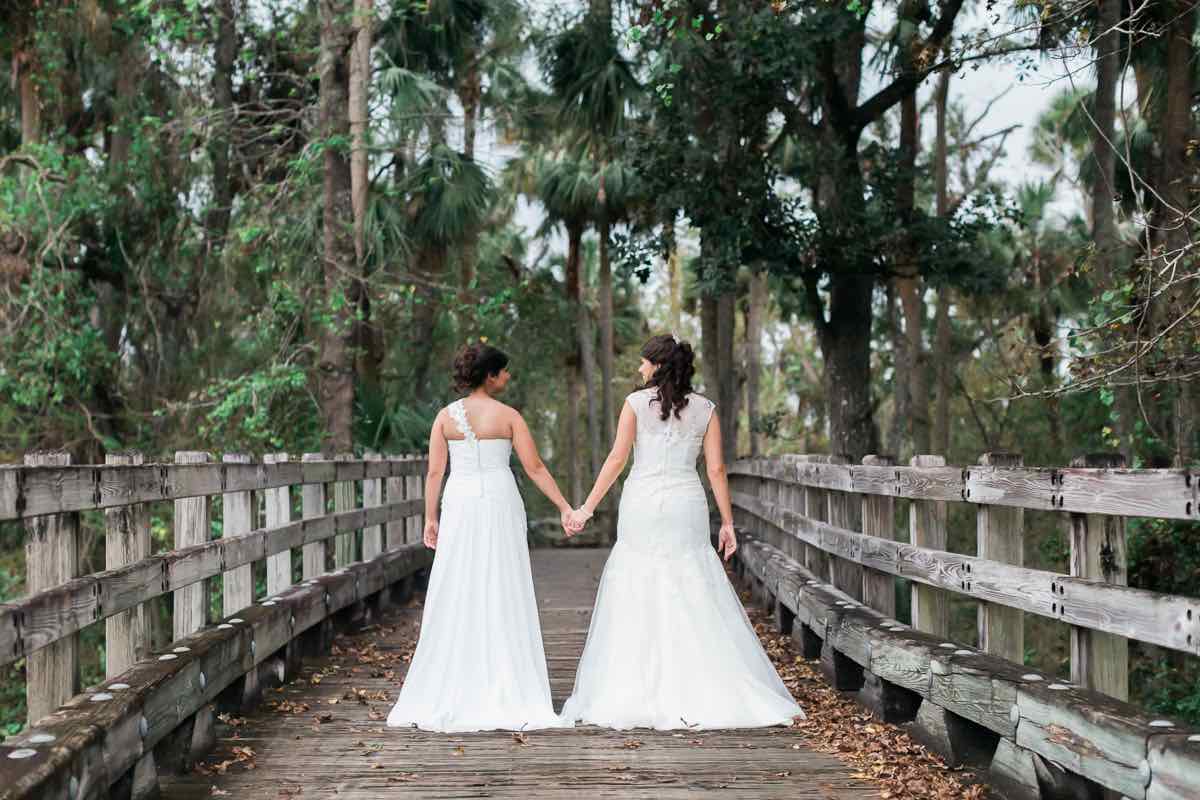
(1047, 725)
(109, 735)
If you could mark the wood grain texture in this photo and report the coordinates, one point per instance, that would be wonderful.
(39, 619)
(51, 558)
(927, 530)
(99, 736)
(1108, 741)
(126, 541)
(354, 756)
(30, 491)
(1000, 536)
(1163, 493)
(312, 505)
(1099, 659)
(879, 520)
(189, 609)
(372, 492)
(237, 519)
(344, 499)
(1168, 620)
(278, 511)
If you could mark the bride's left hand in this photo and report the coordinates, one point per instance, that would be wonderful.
(727, 541)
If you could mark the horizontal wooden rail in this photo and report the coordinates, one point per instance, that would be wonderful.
(1162, 493)
(1040, 725)
(60, 611)
(108, 736)
(34, 491)
(1167, 620)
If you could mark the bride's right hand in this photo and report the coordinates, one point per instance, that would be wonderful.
(431, 534)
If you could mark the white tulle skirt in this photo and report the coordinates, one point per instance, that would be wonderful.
(670, 645)
(479, 663)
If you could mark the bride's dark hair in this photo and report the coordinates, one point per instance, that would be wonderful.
(475, 363)
(674, 367)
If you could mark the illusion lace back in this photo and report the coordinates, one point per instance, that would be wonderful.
(479, 662)
(670, 645)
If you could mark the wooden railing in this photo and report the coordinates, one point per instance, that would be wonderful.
(823, 551)
(156, 708)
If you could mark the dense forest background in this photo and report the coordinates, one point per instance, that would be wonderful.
(249, 226)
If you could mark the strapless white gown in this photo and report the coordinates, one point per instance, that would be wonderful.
(479, 662)
(670, 645)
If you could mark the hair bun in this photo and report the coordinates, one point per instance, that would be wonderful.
(474, 363)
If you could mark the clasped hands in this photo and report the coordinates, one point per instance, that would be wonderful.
(574, 520)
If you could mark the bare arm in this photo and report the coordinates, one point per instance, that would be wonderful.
(714, 461)
(433, 478)
(622, 444)
(534, 467)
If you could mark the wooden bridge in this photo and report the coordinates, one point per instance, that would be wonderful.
(821, 549)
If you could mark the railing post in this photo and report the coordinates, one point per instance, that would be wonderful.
(372, 539)
(845, 512)
(192, 526)
(878, 519)
(278, 512)
(343, 500)
(126, 540)
(927, 528)
(51, 558)
(791, 497)
(237, 519)
(816, 508)
(1000, 536)
(412, 489)
(395, 492)
(1099, 660)
(312, 504)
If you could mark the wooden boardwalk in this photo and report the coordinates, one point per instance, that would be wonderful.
(328, 739)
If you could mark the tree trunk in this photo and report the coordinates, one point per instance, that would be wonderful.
(674, 276)
(606, 336)
(360, 82)
(587, 359)
(901, 368)
(754, 331)
(727, 373)
(940, 440)
(708, 344)
(469, 94)
(368, 340)
(224, 53)
(1175, 189)
(430, 268)
(31, 103)
(130, 67)
(1108, 68)
(335, 364)
(575, 463)
(846, 348)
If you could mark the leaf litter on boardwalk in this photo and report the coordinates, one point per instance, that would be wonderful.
(879, 752)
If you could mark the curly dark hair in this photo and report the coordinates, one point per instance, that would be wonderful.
(475, 363)
(674, 364)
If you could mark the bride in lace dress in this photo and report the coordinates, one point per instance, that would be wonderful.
(669, 644)
(479, 662)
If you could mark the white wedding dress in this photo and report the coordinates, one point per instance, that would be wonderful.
(669, 644)
(479, 662)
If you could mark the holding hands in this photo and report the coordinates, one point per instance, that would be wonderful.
(573, 521)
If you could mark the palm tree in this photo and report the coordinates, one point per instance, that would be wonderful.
(596, 90)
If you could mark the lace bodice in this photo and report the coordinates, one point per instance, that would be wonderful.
(670, 446)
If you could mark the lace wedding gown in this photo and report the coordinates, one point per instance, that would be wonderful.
(669, 644)
(479, 662)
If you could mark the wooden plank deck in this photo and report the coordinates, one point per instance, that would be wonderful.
(352, 755)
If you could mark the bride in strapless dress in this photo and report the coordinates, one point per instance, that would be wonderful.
(479, 662)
